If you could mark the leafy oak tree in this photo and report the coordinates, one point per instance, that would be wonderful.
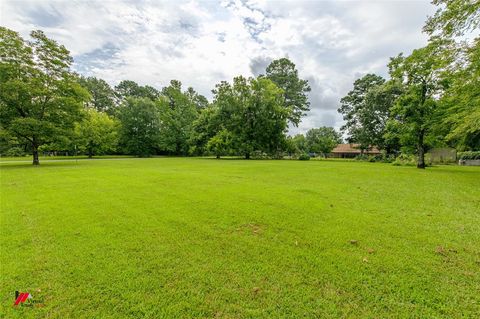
(221, 144)
(178, 111)
(102, 95)
(416, 109)
(322, 140)
(357, 113)
(198, 100)
(299, 144)
(97, 133)
(283, 73)
(375, 114)
(253, 111)
(140, 126)
(453, 18)
(461, 102)
(206, 125)
(40, 99)
(128, 88)
(459, 118)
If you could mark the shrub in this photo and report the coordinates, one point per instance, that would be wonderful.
(15, 152)
(260, 155)
(387, 158)
(470, 155)
(375, 158)
(304, 157)
(362, 157)
(405, 160)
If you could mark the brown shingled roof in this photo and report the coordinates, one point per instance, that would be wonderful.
(353, 148)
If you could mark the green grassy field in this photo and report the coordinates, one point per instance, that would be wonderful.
(185, 238)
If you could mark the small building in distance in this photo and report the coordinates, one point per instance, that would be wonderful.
(351, 150)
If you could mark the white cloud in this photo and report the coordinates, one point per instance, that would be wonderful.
(202, 43)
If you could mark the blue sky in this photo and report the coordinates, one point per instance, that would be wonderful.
(203, 42)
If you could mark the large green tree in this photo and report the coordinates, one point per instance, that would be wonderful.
(322, 140)
(375, 114)
(140, 126)
(221, 144)
(40, 99)
(128, 88)
(459, 116)
(253, 111)
(97, 133)
(358, 112)
(299, 144)
(460, 102)
(178, 111)
(198, 100)
(453, 18)
(416, 109)
(206, 126)
(283, 73)
(102, 95)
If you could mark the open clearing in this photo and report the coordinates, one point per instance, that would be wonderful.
(188, 237)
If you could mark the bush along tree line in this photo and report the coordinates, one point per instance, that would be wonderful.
(432, 96)
(44, 106)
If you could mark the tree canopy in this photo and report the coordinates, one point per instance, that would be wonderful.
(359, 112)
(253, 110)
(322, 140)
(40, 99)
(102, 96)
(140, 130)
(453, 18)
(178, 110)
(283, 73)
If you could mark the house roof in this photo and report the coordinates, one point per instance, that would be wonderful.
(353, 149)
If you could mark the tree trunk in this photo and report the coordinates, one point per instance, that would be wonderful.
(421, 134)
(421, 152)
(218, 156)
(247, 155)
(388, 150)
(35, 155)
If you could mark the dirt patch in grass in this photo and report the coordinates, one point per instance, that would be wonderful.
(251, 228)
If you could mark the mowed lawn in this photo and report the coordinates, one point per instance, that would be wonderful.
(206, 238)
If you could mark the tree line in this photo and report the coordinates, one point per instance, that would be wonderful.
(44, 105)
(432, 97)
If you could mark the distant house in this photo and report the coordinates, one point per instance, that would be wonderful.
(351, 150)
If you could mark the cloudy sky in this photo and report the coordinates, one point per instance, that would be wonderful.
(203, 42)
